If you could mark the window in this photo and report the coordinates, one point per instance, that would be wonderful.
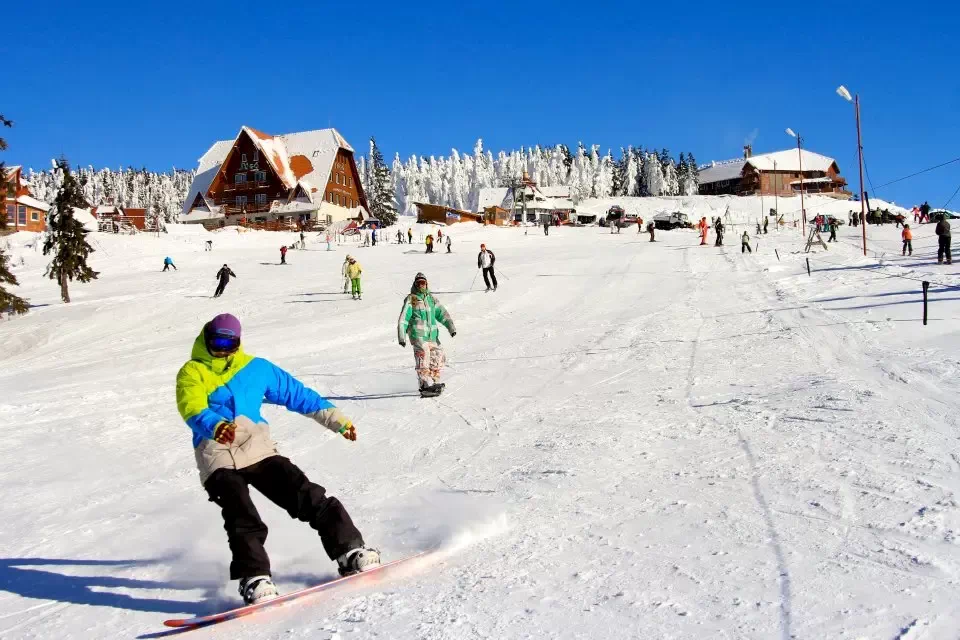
(329, 197)
(243, 158)
(10, 211)
(240, 178)
(351, 181)
(336, 178)
(261, 176)
(256, 155)
(241, 201)
(21, 215)
(34, 216)
(261, 198)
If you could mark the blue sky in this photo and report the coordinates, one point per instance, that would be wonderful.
(117, 84)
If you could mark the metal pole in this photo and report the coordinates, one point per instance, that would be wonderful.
(803, 212)
(863, 204)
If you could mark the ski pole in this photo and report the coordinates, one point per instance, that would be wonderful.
(474, 279)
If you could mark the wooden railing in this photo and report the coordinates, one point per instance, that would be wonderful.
(245, 186)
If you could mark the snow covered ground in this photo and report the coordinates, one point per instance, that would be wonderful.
(637, 440)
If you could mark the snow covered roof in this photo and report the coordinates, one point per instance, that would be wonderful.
(11, 170)
(789, 160)
(492, 197)
(558, 191)
(200, 215)
(719, 171)
(33, 202)
(306, 157)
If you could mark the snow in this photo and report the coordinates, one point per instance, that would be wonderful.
(789, 160)
(33, 202)
(719, 171)
(637, 440)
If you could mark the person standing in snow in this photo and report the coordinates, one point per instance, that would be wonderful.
(449, 243)
(766, 221)
(329, 242)
(373, 235)
(346, 276)
(745, 242)
(353, 272)
(703, 226)
(223, 276)
(410, 235)
(208, 246)
(283, 254)
(718, 228)
(439, 234)
(399, 237)
(429, 243)
(832, 225)
(546, 227)
(651, 229)
(485, 262)
(925, 212)
(219, 394)
(907, 236)
(167, 263)
(418, 321)
(943, 236)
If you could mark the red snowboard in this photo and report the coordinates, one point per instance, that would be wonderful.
(205, 621)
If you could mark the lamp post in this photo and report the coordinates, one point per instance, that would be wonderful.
(843, 93)
(803, 212)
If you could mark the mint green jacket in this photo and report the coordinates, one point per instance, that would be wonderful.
(419, 317)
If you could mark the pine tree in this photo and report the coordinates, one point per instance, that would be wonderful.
(66, 237)
(9, 303)
(381, 196)
(3, 174)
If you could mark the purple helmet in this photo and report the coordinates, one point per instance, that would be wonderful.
(222, 334)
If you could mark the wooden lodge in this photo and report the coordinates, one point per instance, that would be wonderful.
(23, 211)
(438, 214)
(777, 173)
(289, 180)
(115, 219)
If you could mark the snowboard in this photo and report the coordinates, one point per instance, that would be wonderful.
(232, 614)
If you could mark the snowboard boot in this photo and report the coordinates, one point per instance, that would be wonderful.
(431, 391)
(358, 561)
(258, 589)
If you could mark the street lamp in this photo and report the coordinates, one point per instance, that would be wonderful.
(803, 212)
(843, 93)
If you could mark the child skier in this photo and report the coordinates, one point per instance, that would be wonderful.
(167, 263)
(418, 319)
(449, 243)
(907, 236)
(343, 272)
(353, 272)
(429, 243)
(219, 394)
(283, 254)
(651, 229)
(745, 243)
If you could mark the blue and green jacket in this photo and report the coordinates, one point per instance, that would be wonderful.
(213, 390)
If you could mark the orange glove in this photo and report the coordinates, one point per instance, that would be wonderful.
(225, 433)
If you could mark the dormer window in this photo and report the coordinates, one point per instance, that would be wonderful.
(256, 155)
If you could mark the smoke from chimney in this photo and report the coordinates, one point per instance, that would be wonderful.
(747, 150)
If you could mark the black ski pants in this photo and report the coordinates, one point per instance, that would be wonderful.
(220, 287)
(166, 266)
(907, 246)
(284, 484)
(944, 249)
(488, 271)
(833, 235)
(745, 248)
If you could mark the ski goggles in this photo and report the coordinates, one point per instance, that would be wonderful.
(223, 344)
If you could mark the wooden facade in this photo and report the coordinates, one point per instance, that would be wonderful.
(22, 211)
(342, 185)
(438, 214)
(246, 183)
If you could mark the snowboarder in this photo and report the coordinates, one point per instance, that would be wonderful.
(485, 261)
(353, 272)
(418, 320)
(167, 263)
(219, 394)
(745, 243)
(410, 235)
(343, 272)
(651, 229)
(208, 246)
(429, 243)
(907, 236)
(943, 236)
(766, 221)
(449, 243)
(223, 276)
(283, 254)
(718, 228)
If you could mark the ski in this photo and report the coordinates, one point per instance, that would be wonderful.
(232, 614)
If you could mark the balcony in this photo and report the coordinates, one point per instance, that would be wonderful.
(248, 208)
(249, 185)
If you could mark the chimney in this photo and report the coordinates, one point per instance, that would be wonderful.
(747, 150)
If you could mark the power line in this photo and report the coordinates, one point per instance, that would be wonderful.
(952, 197)
(917, 173)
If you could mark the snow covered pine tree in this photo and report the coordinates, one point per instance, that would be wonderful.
(381, 194)
(9, 303)
(66, 237)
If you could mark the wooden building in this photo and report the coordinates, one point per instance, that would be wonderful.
(438, 214)
(115, 219)
(257, 177)
(777, 173)
(23, 211)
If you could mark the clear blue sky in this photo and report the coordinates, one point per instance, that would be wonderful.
(120, 83)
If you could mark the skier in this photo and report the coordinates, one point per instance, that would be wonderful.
(485, 261)
(353, 272)
(224, 277)
(718, 228)
(418, 320)
(429, 242)
(219, 394)
(449, 242)
(832, 225)
(925, 212)
(410, 235)
(167, 263)
(208, 246)
(703, 226)
(399, 237)
(303, 241)
(745, 242)
(283, 254)
(639, 225)
(916, 213)
(766, 221)
(373, 235)
(943, 235)
(546, 227)
(907, 236)
(651, 228)
(343, 272)
(439, 234)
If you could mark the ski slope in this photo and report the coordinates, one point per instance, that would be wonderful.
(637, 440)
